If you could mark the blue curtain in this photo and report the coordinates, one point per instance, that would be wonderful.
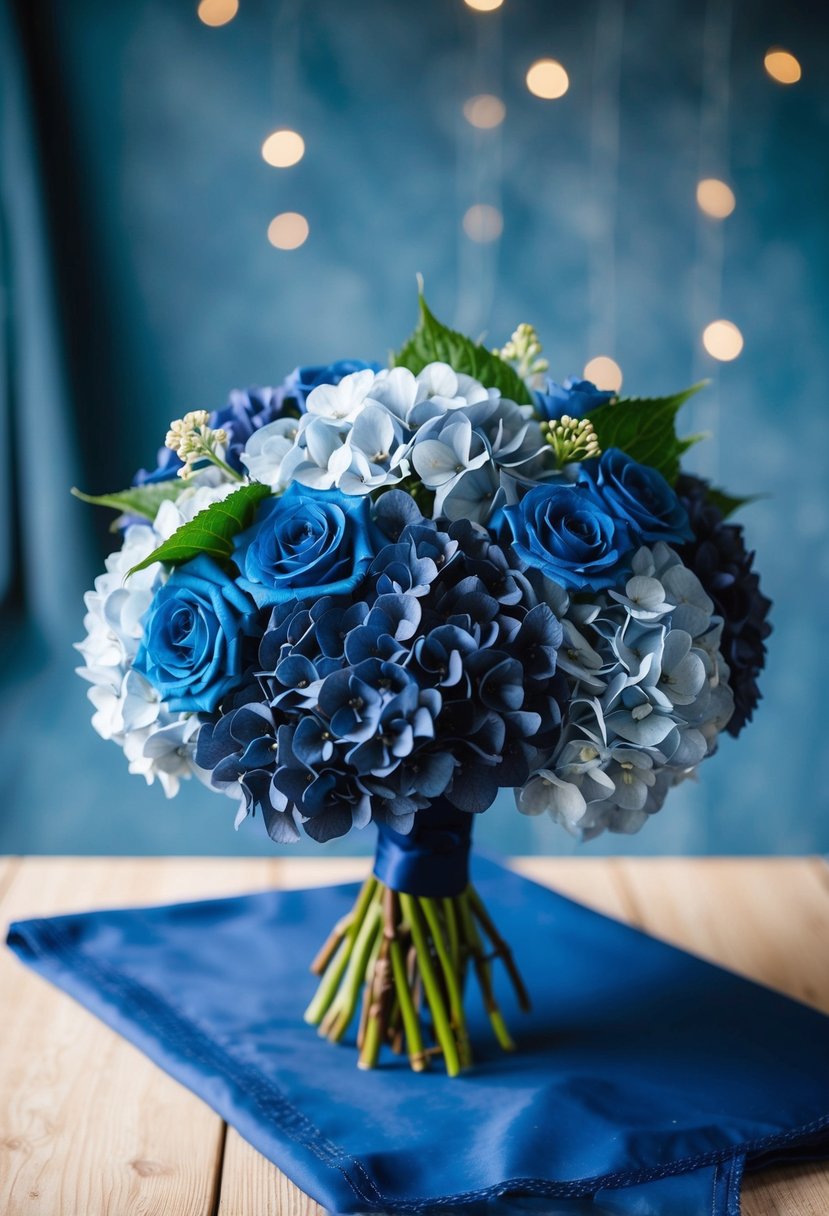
(44, 545)
(137, 282)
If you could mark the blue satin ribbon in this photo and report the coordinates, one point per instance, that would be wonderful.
(433, 859)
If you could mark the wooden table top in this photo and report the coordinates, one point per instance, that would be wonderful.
(90, 1127)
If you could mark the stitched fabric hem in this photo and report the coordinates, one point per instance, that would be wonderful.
(44, 940)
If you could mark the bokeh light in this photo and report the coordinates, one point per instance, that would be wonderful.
(484, 111)
(548, 79)
(483, 223)
(288, 230)
(484, 6)
(217, 12)
(782, 66)
(715, 198)
(604, 372)
(722, 340)
(283, 148)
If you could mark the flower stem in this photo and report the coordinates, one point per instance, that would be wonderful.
(404, 958)
(408, 1013)
(338, 1017)
(434, 996)
(448, 906)
(482, 971)
(450, 976)
(333, 972)
(501, 948)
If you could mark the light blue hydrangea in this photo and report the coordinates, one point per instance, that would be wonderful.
(649, 696)
(372, 430)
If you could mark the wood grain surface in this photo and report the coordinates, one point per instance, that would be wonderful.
(89, 1127)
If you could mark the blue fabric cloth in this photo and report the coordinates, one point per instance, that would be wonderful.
(645, 1080)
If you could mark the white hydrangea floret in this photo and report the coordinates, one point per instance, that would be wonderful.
(159, 745)
(265, 452)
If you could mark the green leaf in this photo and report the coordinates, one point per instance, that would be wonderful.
(212, 530)
(727, 504)
(432, 342)
(645, 428)
(137, 500)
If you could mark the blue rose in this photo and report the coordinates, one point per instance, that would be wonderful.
(304, 379)
(306, 544)
(574, 397)
(195, 629)
(638, 495)
(570, 536)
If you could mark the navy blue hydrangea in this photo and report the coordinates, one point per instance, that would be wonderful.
(436, 676)
(725, 567)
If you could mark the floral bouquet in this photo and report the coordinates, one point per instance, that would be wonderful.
(381, 595)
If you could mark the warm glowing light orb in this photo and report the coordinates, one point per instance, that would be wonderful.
(288, 230)
(484, 111)
(484, 6)
(715, 198)
(483, 223)
(782, 66)
(722, 340)
(217, 12)
(548, 79)
(604, 372)
(283, 148)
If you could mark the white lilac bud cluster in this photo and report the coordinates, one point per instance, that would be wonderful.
(571, 439)
(524, 351)
(193, 440)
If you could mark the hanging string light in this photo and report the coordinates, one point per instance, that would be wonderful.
(283, 149)
(723, 340)
(604, 372)
(715, 198)
(484, 111)
(483, 223)
(782, 66)
(546, 78)
(217, 12)
(288, 230)
(285, 146)
(604, 190)
(719, 339)
(479, 174)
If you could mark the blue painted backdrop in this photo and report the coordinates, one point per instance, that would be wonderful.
(138, 283)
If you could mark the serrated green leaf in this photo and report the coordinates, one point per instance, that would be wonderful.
(433, 342)
(645, 428)
(212, 530)
(137, 500)
(727, 504)
(690, 440)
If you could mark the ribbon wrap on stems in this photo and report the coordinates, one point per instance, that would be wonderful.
(401, 955)
(431, 861)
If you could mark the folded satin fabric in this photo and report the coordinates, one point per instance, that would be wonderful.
(644, 1083)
